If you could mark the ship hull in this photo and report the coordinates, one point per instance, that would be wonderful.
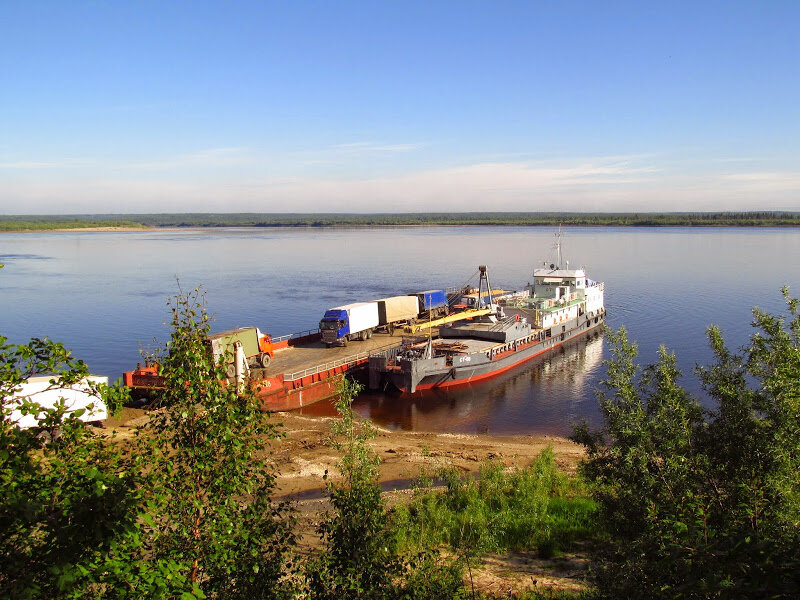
(418, 374)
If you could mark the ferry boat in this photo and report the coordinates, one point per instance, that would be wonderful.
(560, 304)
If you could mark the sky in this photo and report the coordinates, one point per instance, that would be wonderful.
(390, 106)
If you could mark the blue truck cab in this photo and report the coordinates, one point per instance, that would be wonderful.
(343, 323)
(334, 325)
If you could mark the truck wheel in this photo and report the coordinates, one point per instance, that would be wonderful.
(345, 339)
(364, 335)
(369, 334)
(264, 359)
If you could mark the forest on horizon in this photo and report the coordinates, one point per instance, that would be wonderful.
(683, 219)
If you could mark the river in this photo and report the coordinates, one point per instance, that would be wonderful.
(104, 295)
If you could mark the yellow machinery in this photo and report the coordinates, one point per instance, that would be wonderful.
(460, 316)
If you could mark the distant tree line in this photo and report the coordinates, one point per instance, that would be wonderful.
(42, 223)
(689, 219)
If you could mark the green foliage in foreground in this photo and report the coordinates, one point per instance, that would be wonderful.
(702, 503)
(66, 500)
(186, 515)
(697, 219)
(520, 509)
(360, 558)
(209, 481)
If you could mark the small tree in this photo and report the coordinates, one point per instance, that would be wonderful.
(358, 561)
(360, 557)
(211, 482)
(701, 503)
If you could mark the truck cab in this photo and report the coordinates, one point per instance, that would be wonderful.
(340, 324)
(257, 346)
(334, 326)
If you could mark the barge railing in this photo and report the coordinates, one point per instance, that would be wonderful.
(297, 334)
(348, 360)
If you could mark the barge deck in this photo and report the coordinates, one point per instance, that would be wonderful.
(307, 371)
(302, 371)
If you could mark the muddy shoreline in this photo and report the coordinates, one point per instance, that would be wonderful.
(303, 454)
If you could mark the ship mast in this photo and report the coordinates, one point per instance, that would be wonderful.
(484, 276)
(558, 247)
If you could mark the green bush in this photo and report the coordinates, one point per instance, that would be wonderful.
(68, 505)
(518, 509)
(699, 503)
(360, 558)
(209, 481)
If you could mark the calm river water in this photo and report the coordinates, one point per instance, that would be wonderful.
(104, 295)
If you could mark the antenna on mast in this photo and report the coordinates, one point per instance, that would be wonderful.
(558, 246)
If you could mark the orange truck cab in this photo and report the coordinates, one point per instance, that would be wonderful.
(257, 346)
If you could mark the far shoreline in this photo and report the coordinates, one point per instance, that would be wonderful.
(114, 223)
(150, 228)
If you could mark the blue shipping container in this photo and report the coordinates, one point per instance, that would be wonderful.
(431, 299)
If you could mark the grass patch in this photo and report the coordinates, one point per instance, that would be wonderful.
(538, 507)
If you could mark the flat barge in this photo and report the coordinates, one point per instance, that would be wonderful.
(303, 370)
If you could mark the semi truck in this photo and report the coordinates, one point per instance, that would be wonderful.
(257, 347)
(341, 324)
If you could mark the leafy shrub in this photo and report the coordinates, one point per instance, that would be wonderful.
(360, 558)
(68, 505)
(535, 507)
(209, 480)
(701, 503)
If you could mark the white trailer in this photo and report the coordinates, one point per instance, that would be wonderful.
(349, 322)
(40, 391)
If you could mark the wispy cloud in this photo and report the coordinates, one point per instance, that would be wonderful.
(204, 158)
(23, 164)
(611, 183)
(767, 181)
(366, 147)
(64, 163)
(739, 159)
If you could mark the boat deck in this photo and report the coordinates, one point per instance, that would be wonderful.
(464, 345)
(314, 355)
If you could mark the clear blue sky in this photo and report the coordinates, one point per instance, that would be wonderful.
(118, 107)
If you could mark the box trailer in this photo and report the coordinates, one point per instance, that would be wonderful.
(432, 303)
(351, 321)
(397, 310)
